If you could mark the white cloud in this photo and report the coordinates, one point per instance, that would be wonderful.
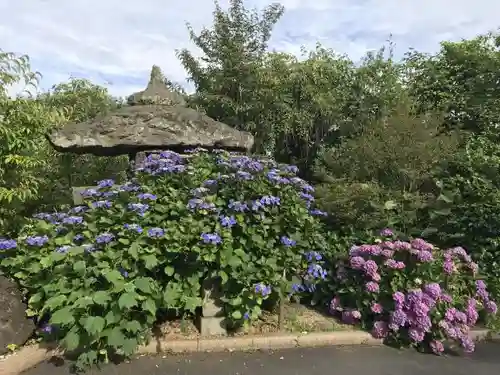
(115, 42)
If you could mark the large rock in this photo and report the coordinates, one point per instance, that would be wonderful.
(155, 120)
(15, 327)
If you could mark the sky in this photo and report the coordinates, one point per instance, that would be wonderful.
(115, 42)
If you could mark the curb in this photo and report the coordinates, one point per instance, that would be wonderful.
(30, 356)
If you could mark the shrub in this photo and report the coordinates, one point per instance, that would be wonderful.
(468, 210)
(409, 292)
(99, 273)
(368, 206)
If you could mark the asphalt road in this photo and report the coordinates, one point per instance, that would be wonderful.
(356, 360)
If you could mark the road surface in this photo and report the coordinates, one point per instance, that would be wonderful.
(355, 360)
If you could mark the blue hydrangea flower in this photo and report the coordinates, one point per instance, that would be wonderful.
(89, 193)
(104, 238)
(257, 205)
(156, 232)
(63, 249)
(199, 192)
(38, 241)
(316, 271)
(269, 200)
(211, 238)
(262, 289)
(317, 212)
(146, 196)
(105, 183)
(134, 227)
(297, 288)
(287, 241)
(72, 220)
(79, 209)
(88, 247)
(227, 221)
(313, 255)
(6, 244)
(210, 182)
(307, 196)
(129, 187)
(101, 204)
(238, 206)
(243, 175)
(139, 208)
(78, 237)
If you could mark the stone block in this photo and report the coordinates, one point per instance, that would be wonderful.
(77, 196)
(212, 326)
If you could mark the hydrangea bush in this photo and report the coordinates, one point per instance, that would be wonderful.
(98, 274)
(409, 292)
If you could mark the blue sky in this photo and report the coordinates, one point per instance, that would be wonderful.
(115, 42)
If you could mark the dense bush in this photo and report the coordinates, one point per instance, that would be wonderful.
(383, 175)
(408, 292)
(99, 273)
(468, 212)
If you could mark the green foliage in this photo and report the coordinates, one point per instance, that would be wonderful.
(461, 80)
(22, 156)
(468, 208)
(100, 272)
(383, 176)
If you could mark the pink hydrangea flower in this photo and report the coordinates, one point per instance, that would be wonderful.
(377, 308)
(437, 347)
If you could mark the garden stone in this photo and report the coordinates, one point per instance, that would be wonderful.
(212, 319)
(15, 327)
(77, 194)
(155, 119)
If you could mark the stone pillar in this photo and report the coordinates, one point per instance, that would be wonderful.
(77, 196)
(212, 319)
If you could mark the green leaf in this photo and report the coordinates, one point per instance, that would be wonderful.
(113, 276)
(150, 306)
(79, 266)
(124, 241)
(143, 284)
(83, 302)
(127, 300)
(112, 317)
(116, 337)
(236, 315)
(133, 250)
(169, 270)
(133, 326)
(63, 316)
(150, 261)
(71, 340)
(129, 346)
(55, 302)
(171, 295)
(224, 277)
(94, 324)
(35, 298)
(101, 298)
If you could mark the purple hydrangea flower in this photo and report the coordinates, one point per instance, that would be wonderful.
(380, 329)
(386, 232)
(372, 287)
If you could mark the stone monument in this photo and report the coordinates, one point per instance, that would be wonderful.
(155, 119)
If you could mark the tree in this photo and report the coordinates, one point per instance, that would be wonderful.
(80, 100)
(225, 78)
(23, 122)
(462, 80)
